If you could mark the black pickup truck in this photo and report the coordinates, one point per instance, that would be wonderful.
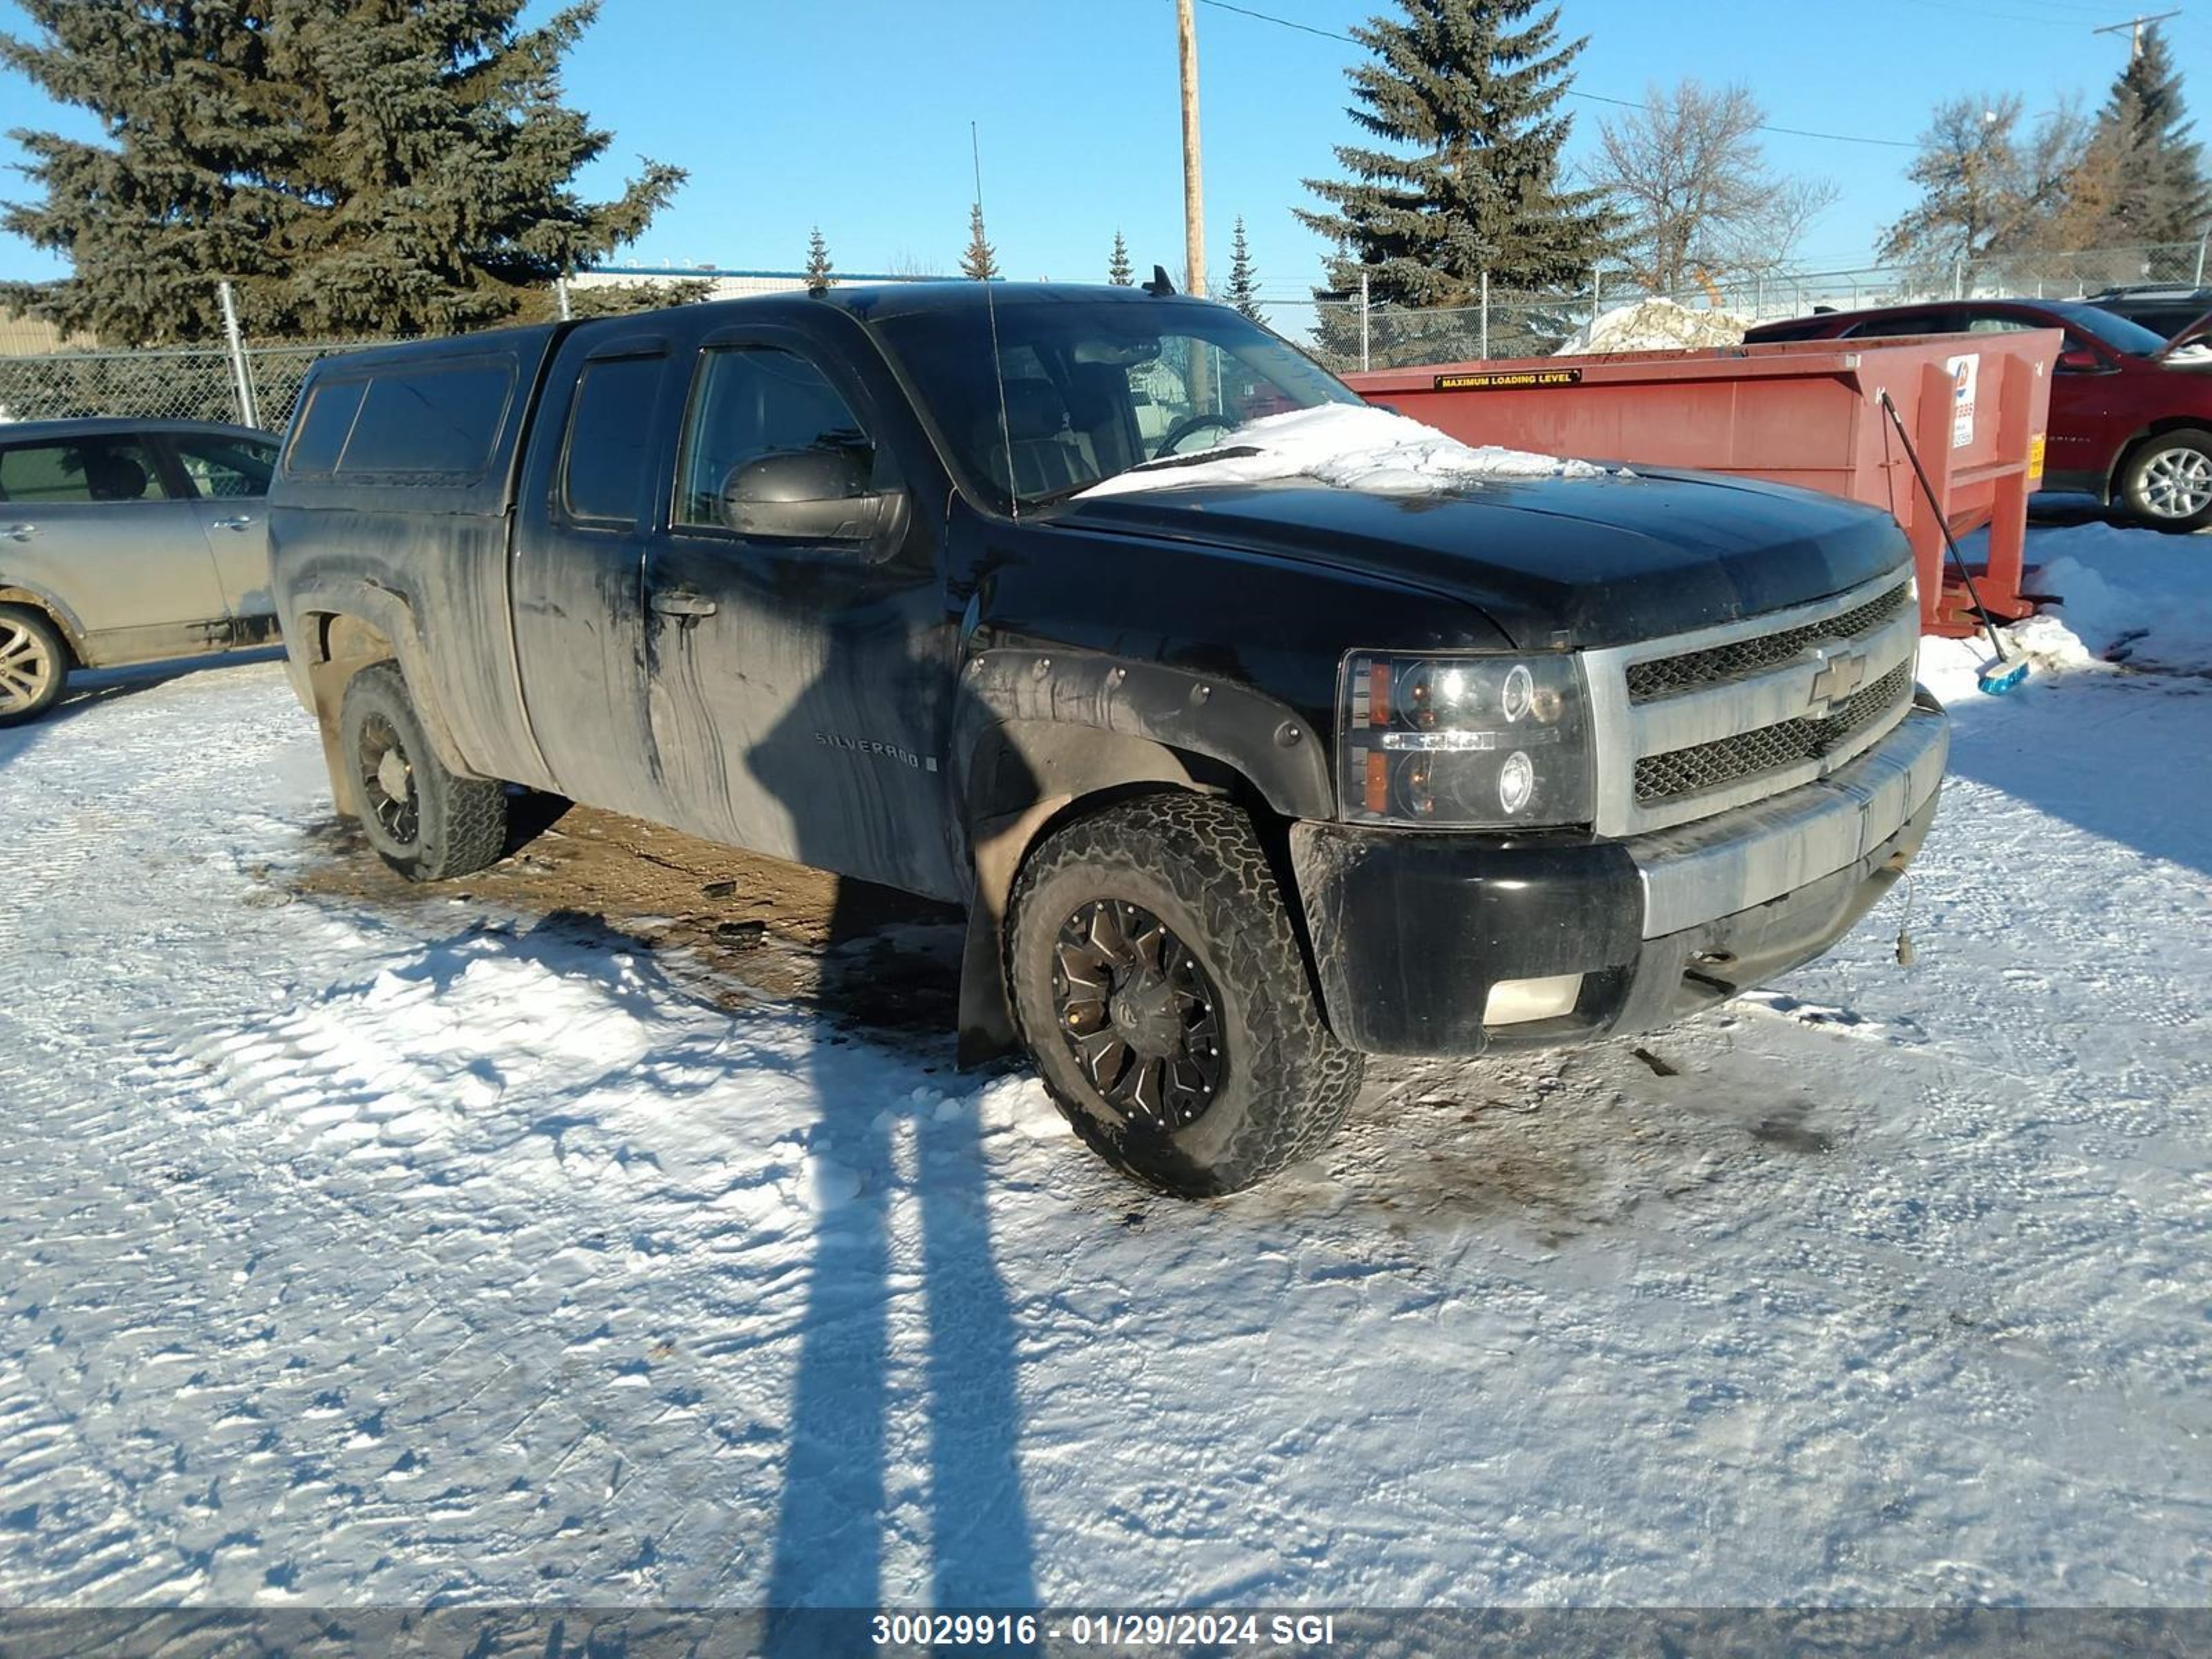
(1238, 780)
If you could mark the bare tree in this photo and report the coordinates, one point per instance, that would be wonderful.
(1986, 187)
(1697, 200)
(916, 266)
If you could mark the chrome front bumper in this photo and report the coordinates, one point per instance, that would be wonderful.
(1735, 859)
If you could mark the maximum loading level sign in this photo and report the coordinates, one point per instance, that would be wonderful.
(1509, 380)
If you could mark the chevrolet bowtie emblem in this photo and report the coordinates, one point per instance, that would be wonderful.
(1838, 678)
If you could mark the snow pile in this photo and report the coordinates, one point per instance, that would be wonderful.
(1951, 668)
(1352, 447)
(1655, 325)
(2124, 596)
(2147, 595)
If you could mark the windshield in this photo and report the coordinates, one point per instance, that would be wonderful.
(1094, 387)
(2115, 331)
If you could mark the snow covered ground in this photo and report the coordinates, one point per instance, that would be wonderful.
(445, 1253)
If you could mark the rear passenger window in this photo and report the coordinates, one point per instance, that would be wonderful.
(608, 453)
(434, 421)
(324, 426)
(224, 469)
(79, 470)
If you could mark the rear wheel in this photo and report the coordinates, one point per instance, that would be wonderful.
(425, 822)
(34, 664)
(1160, 989)
(2168, 482)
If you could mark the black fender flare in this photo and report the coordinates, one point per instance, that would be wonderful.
(332, 631)
(1037, 733)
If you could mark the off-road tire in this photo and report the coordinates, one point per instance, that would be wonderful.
(1197, 865)
(459, 824)
(2144, 475)
(38, 637)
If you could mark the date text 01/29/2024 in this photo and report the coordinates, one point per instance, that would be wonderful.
(1131, 1630)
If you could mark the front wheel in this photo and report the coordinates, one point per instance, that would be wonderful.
(34, 664)
(425, 822)
(2168, 482)
(1160, 986)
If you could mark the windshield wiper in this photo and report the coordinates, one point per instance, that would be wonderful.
(1196, 457)
(1051, 497)
(1163, 464)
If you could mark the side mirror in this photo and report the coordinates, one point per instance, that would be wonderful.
(2079, 360)
(819, 495)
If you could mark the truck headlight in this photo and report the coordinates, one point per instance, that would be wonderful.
(1468, 742)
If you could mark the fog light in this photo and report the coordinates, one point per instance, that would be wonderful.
(1518, 1001)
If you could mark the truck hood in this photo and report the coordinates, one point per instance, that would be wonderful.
(1557, 562)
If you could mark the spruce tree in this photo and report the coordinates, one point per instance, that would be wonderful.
(979, 263)
(2160, 192)
(1117, 268)
(821, 275)
(1243, 289)
(1464, 96)
(355, 167)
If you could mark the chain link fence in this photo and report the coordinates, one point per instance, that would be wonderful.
(259, 385)
(1510, 323)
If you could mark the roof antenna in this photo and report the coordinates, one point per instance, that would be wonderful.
(998, 363)
(1159, 287)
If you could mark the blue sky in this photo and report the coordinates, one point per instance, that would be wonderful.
(856, 115)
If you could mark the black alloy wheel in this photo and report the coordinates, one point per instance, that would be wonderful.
(1137, 1009)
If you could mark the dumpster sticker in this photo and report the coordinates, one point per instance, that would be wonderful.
(2034, 458)
(1517, 380)
(1965, 372)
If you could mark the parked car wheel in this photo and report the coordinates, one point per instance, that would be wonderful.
(2168, 482)
(34, 664)
(422, 820)
(1160, 986)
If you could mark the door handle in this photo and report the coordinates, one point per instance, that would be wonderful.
(19, 532)
(683, 602)
(238, 523)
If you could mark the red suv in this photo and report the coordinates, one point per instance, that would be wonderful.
(2130, 412)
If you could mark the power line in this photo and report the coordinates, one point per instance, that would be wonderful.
(1587, 97)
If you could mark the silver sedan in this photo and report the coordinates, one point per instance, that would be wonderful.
(125, 541)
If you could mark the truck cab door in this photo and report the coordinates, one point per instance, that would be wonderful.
(799, 660)
(585, 514)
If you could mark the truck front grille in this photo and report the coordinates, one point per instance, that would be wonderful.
(1693, 671)
(1711, 720)
(1770, 748)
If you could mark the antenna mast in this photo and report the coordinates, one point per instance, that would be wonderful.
(998, 363)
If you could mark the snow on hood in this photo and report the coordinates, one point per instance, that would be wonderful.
(1351, 446)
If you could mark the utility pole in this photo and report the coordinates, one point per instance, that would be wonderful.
(1194, 187)
(2135, 26)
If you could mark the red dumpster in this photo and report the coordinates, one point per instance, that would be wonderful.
(1803, 412)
